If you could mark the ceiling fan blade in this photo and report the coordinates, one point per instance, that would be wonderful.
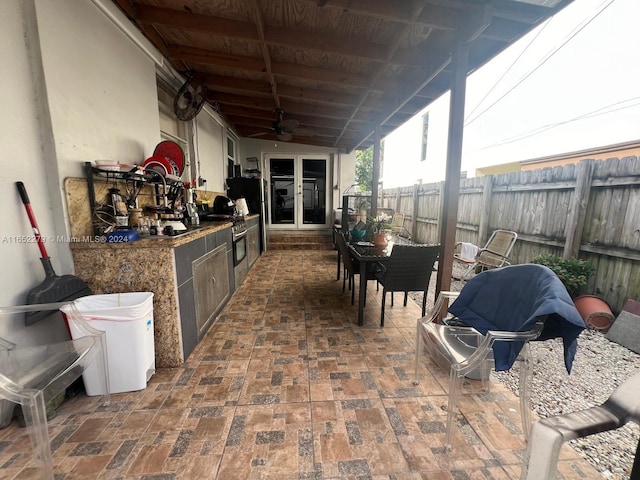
(289, 124)
(285, 136)
(304, 132)
(258, 134)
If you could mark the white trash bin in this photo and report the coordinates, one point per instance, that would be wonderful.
(127, 320)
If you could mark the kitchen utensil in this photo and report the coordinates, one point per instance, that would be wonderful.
(54, 288)
(173, 152)
(175, 225)
(224, 206)
(241, 205)
(158, 164)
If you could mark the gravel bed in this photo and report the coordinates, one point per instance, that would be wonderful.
(600, 366)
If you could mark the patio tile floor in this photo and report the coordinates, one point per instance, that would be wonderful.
(287, 386)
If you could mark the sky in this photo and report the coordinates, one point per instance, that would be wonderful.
(572, 83)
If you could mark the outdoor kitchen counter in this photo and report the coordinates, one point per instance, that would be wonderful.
(145, 265)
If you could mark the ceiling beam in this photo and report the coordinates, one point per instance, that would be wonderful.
(399, 36)
(240, 85)
(266, 56)
(271, 35)
(209, 57)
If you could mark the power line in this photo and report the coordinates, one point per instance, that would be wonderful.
(543, 128)
(543, 61)
(508, 69)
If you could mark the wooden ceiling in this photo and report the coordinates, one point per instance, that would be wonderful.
(337, 68)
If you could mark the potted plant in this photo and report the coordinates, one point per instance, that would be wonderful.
(574, 273)
(379, 226)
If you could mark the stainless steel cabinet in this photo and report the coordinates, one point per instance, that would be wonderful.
(211, 286)
(204, 270)
(253, 244)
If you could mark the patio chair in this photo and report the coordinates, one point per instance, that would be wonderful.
(33, 376)
(397, 225)
(493, 318)
(548, 434)
(408, 269)
(351, 268)
(493, 255)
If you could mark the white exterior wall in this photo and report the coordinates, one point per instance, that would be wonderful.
(343, 169)
(78, 90)
(211, 152)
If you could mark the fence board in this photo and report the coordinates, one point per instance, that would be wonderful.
(536, 204)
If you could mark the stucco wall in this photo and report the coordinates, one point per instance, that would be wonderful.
(78, 91)
(342, 169)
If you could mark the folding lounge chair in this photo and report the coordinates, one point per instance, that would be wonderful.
(493, 255)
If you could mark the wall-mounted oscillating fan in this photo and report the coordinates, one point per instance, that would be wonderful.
(285, 129)
(190, 99)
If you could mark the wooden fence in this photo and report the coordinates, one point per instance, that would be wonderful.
(590, 210)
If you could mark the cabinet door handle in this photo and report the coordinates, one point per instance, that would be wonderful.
(214, 281)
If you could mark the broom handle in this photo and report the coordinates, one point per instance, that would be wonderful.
(32, 218)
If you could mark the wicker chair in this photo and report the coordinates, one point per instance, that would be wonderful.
(351, 268)
(408, 269)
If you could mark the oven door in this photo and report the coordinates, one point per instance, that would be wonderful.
(239, 248)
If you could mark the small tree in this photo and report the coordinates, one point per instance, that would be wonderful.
(364, 169)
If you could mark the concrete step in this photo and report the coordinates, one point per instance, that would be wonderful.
(300, 241)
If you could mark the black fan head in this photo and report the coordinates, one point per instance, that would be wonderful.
(189, 100)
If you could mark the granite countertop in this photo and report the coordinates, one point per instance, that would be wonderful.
(159, 241)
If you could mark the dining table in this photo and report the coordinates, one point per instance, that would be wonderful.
(368, 255)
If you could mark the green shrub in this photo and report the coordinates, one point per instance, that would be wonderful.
(574, 273)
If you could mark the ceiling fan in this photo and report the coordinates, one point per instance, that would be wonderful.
(285, 129)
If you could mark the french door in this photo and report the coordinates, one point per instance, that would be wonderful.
(298, 191)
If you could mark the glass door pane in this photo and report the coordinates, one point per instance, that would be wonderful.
(283, 191)
(314, 191)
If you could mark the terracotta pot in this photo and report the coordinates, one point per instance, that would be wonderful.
(380, 238)
(595, 312)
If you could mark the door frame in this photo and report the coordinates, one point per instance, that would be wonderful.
(299, 224)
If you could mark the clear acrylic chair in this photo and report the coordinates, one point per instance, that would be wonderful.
(465, 352)
(548, 435)
(489, 326)
(32, 376)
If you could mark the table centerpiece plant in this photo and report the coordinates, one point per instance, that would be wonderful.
(379, 226)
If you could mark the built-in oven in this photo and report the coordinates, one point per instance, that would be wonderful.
(240, 263)
(239, 247)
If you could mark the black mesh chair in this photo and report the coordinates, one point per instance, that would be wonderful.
(408, 269)
(351, 267)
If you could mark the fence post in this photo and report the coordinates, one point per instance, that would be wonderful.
(414, 227)
(578, 209)
(439, 212)
(398, 200)
(485, 213)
